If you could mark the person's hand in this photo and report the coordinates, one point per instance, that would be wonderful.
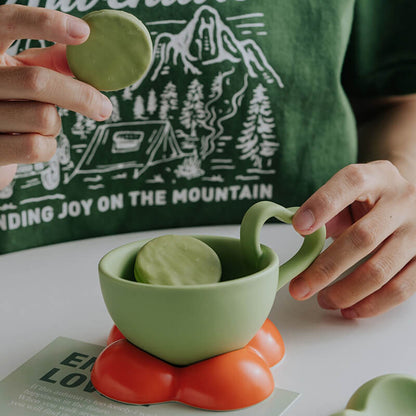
(370, 212)
(35, 81)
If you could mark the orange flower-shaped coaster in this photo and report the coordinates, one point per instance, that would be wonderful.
(229, 381)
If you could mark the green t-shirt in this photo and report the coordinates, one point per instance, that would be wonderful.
(243, 102)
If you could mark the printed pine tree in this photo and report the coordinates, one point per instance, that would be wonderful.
(139, 109)
(63, 112)
(127, 94)
(83, 126)
(193, 112)
(257, 140)
(115, 115)
(216, 86)
(152, 102)
(168, 101)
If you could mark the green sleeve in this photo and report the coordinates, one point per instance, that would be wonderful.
(381, 57)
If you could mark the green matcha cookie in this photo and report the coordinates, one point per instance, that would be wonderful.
(177, 260)
(116, 54)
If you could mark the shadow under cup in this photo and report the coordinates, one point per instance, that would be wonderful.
(186, 324)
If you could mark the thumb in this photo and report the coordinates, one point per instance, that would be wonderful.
(53, 57)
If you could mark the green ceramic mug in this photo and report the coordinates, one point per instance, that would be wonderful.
(186, 324)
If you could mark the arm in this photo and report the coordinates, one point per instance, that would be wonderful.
(369, 210)
(387, 131)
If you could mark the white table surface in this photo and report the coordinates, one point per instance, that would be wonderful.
(54, 291)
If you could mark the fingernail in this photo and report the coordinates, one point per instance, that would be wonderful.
(77, 28)
(349, 314)
(106, 108)
(299, 289)
(304, 220)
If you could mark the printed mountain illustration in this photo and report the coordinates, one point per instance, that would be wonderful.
(215, 88)
(207, 40)
(204, 112)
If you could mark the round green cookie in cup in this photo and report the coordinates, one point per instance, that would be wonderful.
(116, 54)
(177, 260)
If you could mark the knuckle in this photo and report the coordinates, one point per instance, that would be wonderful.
(408, 232)
(363, 236)
(7, 11)
(411, 193)
(90, 99)
(47, 119)
(50, 20)
(368, 308)
(325, 201)
(32, 148)
(355, 175)
(388, 166)
(377, 272)
(58, 127)
(333, 298)
(38, 148)
(45, 18)
(325, 271)
(401, 289)
(35, 79)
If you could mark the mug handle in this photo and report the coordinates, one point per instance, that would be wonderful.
(253, 221)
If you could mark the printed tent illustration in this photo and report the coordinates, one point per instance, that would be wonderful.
(126, 145)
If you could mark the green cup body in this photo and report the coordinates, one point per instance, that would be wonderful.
(186, 324)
